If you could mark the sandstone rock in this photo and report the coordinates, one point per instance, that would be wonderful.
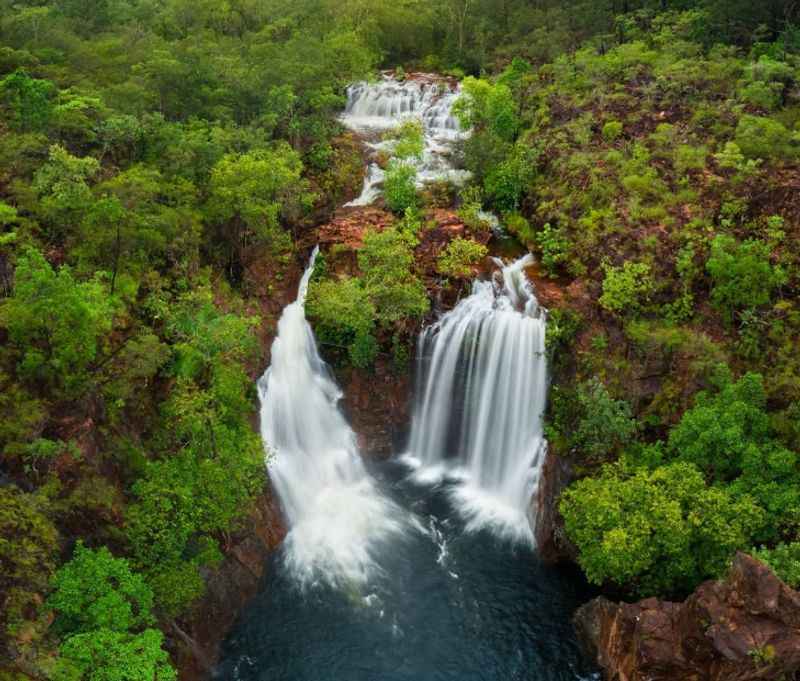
(552, 544)
(743, 628)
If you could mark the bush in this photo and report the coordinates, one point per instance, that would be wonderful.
(591, 423)
(386, 261)
(742, 274)
(94, 590)
(460, 257)
(400, 187)
(655, 532)
(766, 138)
(555, 248)
(344, 316)
(784, 559)
(612, 131)
(626, 289)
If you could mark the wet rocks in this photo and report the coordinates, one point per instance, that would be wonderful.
(742, 628)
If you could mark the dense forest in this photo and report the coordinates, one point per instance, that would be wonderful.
(153, 151)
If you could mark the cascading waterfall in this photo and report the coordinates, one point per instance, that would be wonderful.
(482, 391)
(374, 108)
(336, 514)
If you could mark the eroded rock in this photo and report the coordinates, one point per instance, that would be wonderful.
(742, 628)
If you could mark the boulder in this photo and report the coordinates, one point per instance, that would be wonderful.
(742, 628)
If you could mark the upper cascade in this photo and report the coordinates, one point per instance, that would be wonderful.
(375, 108)
(481, 395)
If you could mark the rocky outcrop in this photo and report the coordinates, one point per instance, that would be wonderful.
(743, 628)
(229, 588)
(552, 544)
(377, 406)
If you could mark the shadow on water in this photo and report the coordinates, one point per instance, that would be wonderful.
(447, 606)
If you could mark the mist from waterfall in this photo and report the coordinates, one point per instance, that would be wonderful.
(481, 394)
(375, 108)
(336, 515)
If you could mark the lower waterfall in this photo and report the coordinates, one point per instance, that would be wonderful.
(482, 389)
(335, 512)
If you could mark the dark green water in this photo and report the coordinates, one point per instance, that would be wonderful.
(447, 606)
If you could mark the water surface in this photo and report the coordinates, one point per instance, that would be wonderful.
(445, 605)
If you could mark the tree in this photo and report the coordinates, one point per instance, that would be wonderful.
(460, 257)
(400, 186)
(656, 532)
(94, 590)
(106, 655)
(30, 100)
(56, 323)
(386, 261)
(626, 289)
(743, 276)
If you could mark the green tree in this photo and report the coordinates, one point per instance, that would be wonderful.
(106, 654)
(743, 276)
(626, 289)
(655, 532)
(29, 100)
(386, 262)
(56, 323)
(400, 186)
(94, 590)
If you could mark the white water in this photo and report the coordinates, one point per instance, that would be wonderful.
(374, 108)
(336, 515)
(478, 410)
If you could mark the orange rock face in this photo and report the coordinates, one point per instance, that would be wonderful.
(743, 628)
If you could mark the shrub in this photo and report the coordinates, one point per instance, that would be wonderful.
(409, 140)
(655, 532)
(742, 274)
(94, 590)
(612, 131)
(386, 261)
(400, 187)
(591, 423)
(766, 138)
(460, 257)
(555, 248)
(688, 157)
(343, 315)
(626, 289)
(784, 559)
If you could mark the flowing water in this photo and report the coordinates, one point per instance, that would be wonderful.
(336, 516)
(482, 389)
(375, 108)
(386, 576)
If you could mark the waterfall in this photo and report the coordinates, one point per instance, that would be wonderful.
(374, 108)
(481, 394)
(336, 514)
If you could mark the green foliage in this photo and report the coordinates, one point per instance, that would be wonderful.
(487, 107)
(400, 186)
(344, 316)
(743, 275)
(97, 591)
(106, 654)
(612, 131)
(555, 247)
(258, 189)
(591, 423)
(765, 138)
(28, 547)
(386, 261)
(461, 257)
(728, 435)
(409, 140)
(627, 289)
(30, 100)
(56, 323)
(784, 559)
(655, 532)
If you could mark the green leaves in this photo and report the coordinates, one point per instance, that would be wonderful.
(94, 590)
(627, 289)
(460, 257)
(655, 532)
(743, 276)
(56, 323)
